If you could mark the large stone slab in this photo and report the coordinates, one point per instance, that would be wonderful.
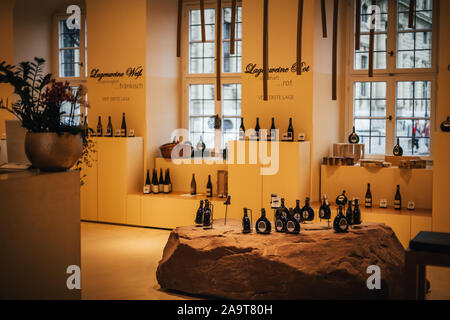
(316, 264)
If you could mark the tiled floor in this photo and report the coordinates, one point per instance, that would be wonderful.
(120, 262)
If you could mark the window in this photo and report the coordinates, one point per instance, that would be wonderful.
(397, 102)
(200, 77)
(70, 59)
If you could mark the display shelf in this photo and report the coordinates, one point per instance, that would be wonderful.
(116, 173)
(287, 173)
(181, 174)
(441, 182)
(183, 196)
(415, 184)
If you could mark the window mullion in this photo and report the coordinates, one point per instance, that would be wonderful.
(390, 112)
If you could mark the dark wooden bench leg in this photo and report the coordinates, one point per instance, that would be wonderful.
(410, 276)
(421, 281)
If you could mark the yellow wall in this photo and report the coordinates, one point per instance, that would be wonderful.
(162, 75)
(444, 63)
(116, 41)
(311, 107)
(6, 53)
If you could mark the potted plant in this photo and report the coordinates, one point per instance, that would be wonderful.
(55, 139)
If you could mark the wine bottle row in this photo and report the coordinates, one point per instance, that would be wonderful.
(122, 132)
(155, 185)
(204, 215)
(271, 134)
(209, 187)
(353, 138)
(383, 202)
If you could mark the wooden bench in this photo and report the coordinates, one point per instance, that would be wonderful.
(426, 249)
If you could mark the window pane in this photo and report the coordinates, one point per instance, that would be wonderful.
(231, 110)
(232, 63)
(69, 63)
(415, 45)
(413, 116)
(369, 115)
(68, 38)
(379, 57)
(201, 114)
(201, 55)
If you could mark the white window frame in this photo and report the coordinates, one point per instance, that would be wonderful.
(73, 81)
(390, 75)
(202, 78)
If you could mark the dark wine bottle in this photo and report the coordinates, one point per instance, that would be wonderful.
(209, 187)
(199, 215)
(398, 199)
(273, 131)
(341, 200)
(280, 222)
(123, 129)
(398, 151)
(292, 224)
(242, 130)
(284, 209)
(356, 213)
(99, 127)
(349, 213)
(263, 225)
(257, 130)
(368, 199)
(290, 131)
(201, 146)
(325, 211)
(340, 222)
(246, 223)
(161, 181)
(207, 217)
(353, 137)
(148, 184)
(155, 183)
(193, 185)
(298, 211)
(109, 128)
(307, 211)
(166, 182)
(445, 126)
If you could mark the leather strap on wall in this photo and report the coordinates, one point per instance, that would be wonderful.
(412, 8)
(180, 9)
(358, 25)
(335, 38)
(324, 19)
(202, 19)
(299, 37)
(218, 51)
(372, 39)
(265, 49)
(233, 27)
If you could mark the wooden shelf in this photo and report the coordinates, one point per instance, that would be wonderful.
(182, 196)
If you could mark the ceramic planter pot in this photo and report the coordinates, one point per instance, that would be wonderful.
(49, 151)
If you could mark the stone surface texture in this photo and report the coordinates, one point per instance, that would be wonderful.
(315, 264)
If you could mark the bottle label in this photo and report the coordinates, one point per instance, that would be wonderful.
(166, 188)
(155, 188)
(146, 189)
(383, 203)
(305, 215)
(209, 192)
(322, 213)
(397, 204)
(241, 135)
(123, 133)
(368, 202)
(290, 226)
(279, 225)
(262, 226)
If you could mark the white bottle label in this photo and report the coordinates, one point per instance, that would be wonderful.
(383, 203)
(146, 189)
(290, 226)
(262, 226)
(411, 205)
